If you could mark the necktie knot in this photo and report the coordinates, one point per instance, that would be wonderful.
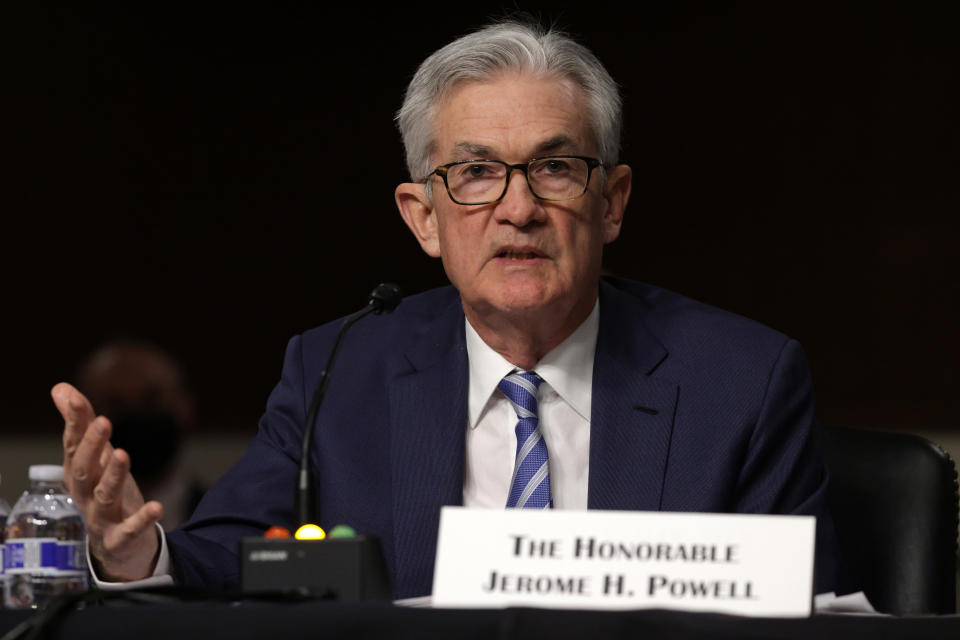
(521, 387)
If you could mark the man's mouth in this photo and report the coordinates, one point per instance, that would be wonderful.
(515, 254)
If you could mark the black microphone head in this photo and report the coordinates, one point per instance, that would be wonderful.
(385, 296)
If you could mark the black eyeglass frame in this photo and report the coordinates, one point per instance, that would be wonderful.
(523, 167)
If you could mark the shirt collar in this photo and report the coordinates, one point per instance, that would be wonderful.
(567, 368)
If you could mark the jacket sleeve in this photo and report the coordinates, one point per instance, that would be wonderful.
(256, 493)
(783, 472)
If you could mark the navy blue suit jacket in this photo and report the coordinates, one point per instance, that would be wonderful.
(694, 409)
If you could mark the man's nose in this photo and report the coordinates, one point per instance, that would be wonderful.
(518, 206)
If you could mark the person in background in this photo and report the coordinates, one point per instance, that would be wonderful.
(142, 390)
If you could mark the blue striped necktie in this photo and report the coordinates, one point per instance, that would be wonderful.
(530, 488)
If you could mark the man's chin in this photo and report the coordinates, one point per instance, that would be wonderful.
(518, 301)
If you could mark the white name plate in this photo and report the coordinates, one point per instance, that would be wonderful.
(742, 564)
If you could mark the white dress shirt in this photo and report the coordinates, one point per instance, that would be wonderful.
(564, 410)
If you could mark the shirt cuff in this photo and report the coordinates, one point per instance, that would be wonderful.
(161, 573)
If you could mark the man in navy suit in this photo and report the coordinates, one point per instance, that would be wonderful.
(646, 400)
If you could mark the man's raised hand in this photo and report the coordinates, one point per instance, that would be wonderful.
(120, 526)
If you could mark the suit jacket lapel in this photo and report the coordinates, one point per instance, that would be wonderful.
(428, 417)
(632, 411)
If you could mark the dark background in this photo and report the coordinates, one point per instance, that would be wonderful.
(218, 179)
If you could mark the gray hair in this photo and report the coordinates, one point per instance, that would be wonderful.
(507, 46)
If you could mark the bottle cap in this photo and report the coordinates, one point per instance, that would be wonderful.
(46, 472)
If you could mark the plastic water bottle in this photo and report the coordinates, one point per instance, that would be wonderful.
(45, 546)
(4, 512)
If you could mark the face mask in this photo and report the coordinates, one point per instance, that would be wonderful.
(151, 438)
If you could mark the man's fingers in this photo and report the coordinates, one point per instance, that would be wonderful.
(68, 399)
(105, 454)
(124, 535)
(85, 467)
(108, 494)
(77, 413)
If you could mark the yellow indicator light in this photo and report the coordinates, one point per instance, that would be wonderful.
(310, 532)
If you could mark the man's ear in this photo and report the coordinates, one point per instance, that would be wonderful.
(417, 211)
(616, 191)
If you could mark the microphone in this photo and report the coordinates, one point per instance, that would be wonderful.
(386, 296)
(383, 299)
(345, 566)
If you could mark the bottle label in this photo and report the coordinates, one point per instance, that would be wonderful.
(45, 555)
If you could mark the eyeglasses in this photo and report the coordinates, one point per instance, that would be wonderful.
(553, 178)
